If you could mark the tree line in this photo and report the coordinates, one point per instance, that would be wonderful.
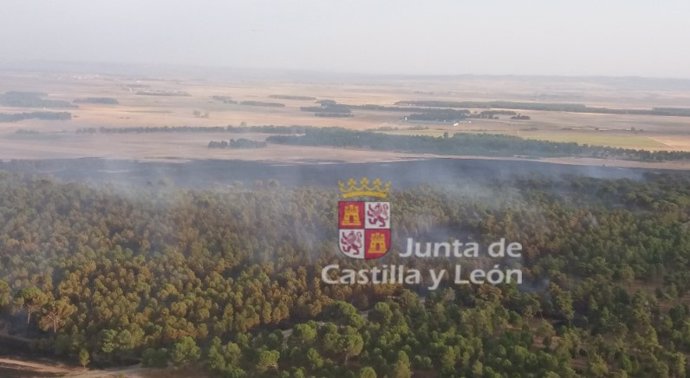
(46, 116)
(266, 129)
(97, 100)
(555, 107)
(240, 143)
(467, 144)
(21, 99)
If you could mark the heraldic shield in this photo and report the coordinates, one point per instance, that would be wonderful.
(364, 227)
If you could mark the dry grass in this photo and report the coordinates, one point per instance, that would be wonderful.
(624, 140)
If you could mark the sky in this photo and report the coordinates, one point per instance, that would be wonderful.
(435, 37)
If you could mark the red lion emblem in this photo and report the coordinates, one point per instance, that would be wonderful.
(352, 241)
(378, 214)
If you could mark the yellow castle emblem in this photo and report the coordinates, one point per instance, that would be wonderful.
(351, 216)
(377, 244)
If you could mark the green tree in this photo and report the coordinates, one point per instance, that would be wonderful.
(233, 354)
(185, 352)
(302, 335)
(344, 313)
(401, 367)
(215, 360)
(381, 313)
(477, 368)
(314, 359)
(5, 295)
(563, 302)
(267, 360)
(55, 315)
(366, 372)
(448, 360)
(106, 341)
(351, 343)
(84, 358)
(596, 366)
(678, 364)
(31, 300)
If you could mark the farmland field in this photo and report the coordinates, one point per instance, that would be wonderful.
(219, 103)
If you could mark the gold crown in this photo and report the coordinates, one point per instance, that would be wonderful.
(378, 189)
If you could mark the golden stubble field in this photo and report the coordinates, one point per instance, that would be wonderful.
(58, 139)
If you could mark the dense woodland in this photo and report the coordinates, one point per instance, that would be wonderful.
(292, 97)
(46, 116)
(31, 100)
(97, 100)
(228, 281)
(556, 107)
(162, 92)
(448, 115)
(224, 99)
(268, 129)
(467, 144)
(329, 109)
(262, 103)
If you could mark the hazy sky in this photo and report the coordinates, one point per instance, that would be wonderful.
(583, 37)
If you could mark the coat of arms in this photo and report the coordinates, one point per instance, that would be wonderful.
(364, 221)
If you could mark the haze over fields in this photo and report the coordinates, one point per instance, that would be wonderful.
(180, 63)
